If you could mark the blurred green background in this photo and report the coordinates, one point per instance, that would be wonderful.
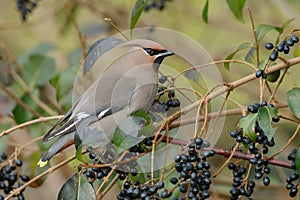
(50, 23)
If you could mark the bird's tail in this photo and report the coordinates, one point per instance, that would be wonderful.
(60, 144)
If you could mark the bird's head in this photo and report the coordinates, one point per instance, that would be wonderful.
(147, 51)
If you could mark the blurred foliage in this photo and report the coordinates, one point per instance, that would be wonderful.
(49, 50)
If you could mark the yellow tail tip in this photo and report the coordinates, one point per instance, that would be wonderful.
(42, 163)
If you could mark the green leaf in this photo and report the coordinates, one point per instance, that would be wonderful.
(137, 11)
(20, 114)
(132, 130)
(74, 57)
(77, 143)
(205, 12)
(273, 77)
(273, 111)
(64, 81)
(144, 115)
(297, 51)
(42, 48)
(77, 188)
(78, 146)
(247, 124)
(127, 133)
(297, 161)
(236, 7)
(38, 70)
(286, 24)
(241, 47)
(251, 56)
(264, 119)
(79, 154)
(293, 99)
(262, 30)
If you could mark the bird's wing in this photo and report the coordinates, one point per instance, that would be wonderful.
(68, 125)
(98, 49)
(58, 125)
(120, 99)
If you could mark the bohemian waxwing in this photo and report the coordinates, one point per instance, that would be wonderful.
(130, 84)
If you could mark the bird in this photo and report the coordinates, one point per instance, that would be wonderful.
(128, 85)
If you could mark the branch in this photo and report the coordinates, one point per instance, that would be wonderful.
(246, 79)
(19, 101)
(230, 153)
(41, 119)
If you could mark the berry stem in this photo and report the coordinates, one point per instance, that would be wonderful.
(227, 161)
(288, 143)
(111, 184)
(254, 34)
(278, 84)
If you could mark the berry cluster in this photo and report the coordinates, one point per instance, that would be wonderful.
(240, 188)
(261, 73)
(25, 7)
(283, 46)
(254, 108)
(128, 168)
(193, 179)
(159, 4)
(161, 106)
(258, 147)
(9, 178)
(136, 190)
(292, 181)
(193, 170)
(96, 172)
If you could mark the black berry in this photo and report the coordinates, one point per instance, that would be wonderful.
(259, 73)
(269, 46)
(273, 56)
(266, 181)
(280, 46)
(162, 79)
(289, 42)
(294, 38)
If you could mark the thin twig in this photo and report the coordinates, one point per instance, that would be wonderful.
(81, 37)
(227, 161)
(41, 119)
(106, 190)
(215, 63)
(218, 114)
(254, 35)
(23, 85)
(19, 101)
(109, 20)
(278, 84)
(288, 143)
(242, 81)
(166, 152)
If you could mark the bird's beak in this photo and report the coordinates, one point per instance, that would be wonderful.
(160, 57)
(166, 53)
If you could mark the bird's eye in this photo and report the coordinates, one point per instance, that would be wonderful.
(150, 51)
